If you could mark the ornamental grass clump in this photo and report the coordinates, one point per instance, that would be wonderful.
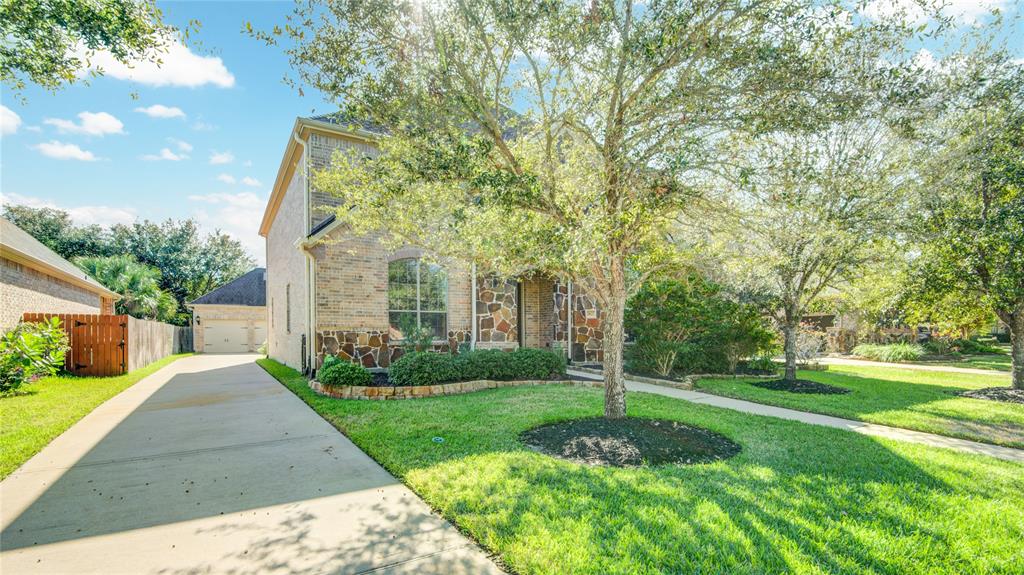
(895, 352)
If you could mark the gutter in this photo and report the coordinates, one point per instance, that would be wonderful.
(568, 319)
(310, 272)
(473, 326)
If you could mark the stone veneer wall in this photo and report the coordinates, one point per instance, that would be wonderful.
(587, 337)
(375, 348)
(497, 312)
(413, 392)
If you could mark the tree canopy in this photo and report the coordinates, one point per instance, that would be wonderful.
(566, 137)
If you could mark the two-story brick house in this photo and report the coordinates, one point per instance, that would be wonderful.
(329, 292)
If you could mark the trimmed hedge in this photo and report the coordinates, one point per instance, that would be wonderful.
(428, 368)
(336, 371)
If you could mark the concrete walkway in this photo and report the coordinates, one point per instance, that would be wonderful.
(997, 451)
(211, 466)
(913, 366)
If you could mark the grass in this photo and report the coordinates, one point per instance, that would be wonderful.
(797, 499)
(919, 400)
(52, 405)
(993, 361)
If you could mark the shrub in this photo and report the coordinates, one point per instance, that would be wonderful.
(427, 368)
(692, 326)
(528, 363)
(335, 371)
(763, 363)
(30, 351)
(423, 368)
(975, 347)
(890, 353)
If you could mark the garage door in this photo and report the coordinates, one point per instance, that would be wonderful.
(226, 337)
(259, 333)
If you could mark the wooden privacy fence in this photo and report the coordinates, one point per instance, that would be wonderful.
(104, 345)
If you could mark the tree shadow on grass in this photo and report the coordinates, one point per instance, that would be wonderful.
(923, 406)
(798, 498)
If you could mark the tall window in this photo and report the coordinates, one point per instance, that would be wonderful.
(417, 296)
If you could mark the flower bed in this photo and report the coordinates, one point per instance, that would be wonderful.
(418, 391)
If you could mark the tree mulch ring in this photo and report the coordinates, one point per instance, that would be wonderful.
(800, 386)
(1007, 394)
(629, 442)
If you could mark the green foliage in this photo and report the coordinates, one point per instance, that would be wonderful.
(335, 371)
(693, 326)
(189, 264)
(423, 368)
(50, 42)
(427, 368)
(894, 352)
(138, 285)
(30, 351)
(414, 337)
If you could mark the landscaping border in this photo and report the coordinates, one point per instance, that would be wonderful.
(419, 391)
(687, 381)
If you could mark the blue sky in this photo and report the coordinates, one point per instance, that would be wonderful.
(203, 139)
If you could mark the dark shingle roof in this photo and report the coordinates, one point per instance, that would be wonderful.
(341, 120)
(249, 289)
(19, 241)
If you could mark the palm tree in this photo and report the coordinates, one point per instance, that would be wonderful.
(138, 285)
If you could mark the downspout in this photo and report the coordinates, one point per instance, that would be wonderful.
(568, 319)
(472, 328)
(310, 273)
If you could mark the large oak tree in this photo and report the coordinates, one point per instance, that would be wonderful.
(565, 137)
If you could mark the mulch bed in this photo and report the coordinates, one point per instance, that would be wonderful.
(629, 442)
(380, 379)
(800, 386)
(1007, 394)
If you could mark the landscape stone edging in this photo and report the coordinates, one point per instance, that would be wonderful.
(686, 383)
(418, 391)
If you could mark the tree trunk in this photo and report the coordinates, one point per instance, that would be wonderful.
(789, 346)
(1017, 350)
(614, 333)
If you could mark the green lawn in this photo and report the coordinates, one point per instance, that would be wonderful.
(993, 361)
(797, 499)
(53, 404)
(920, 400)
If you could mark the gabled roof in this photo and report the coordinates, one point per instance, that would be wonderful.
(18, 245)
(248, 289)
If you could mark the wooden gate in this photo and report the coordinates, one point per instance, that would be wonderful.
(99, 343)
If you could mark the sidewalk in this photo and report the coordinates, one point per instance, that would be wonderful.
(967, 446)
(914, 366)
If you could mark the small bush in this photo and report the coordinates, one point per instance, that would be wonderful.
(338, 372)
(30, 351)
(763, 363)
(423, 368)
(895, 352)
(427, 368)
(975, 347)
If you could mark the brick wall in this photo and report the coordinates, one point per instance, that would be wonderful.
(321, 148)
(24, 289)
(286, 266)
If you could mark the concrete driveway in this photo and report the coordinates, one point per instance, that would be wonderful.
(211, 466)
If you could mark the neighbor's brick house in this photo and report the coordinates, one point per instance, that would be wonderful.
(332, 293)
(34, 279)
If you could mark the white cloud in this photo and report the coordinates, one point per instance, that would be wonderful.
(82, 215)
(960, 11)
(62, 151)
(218, 158)
(165, 154)
(247, 163)
(9, 121)
(237, 215)
(34, 129)
(91, 124)
(201, 126)
(178, 66)
(226, 178)
(161, 111)
(925, 60)
(250, 181)
(181, 144)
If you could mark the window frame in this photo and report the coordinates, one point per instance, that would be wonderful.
(419, 312)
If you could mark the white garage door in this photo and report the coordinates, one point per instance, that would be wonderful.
(259, 333)
(226, 337)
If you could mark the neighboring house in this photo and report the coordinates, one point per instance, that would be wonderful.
(35, 279)
(233, 317)
(331, 293)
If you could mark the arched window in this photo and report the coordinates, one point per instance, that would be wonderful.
(417, 296)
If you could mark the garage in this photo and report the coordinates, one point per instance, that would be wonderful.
(233, 317)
